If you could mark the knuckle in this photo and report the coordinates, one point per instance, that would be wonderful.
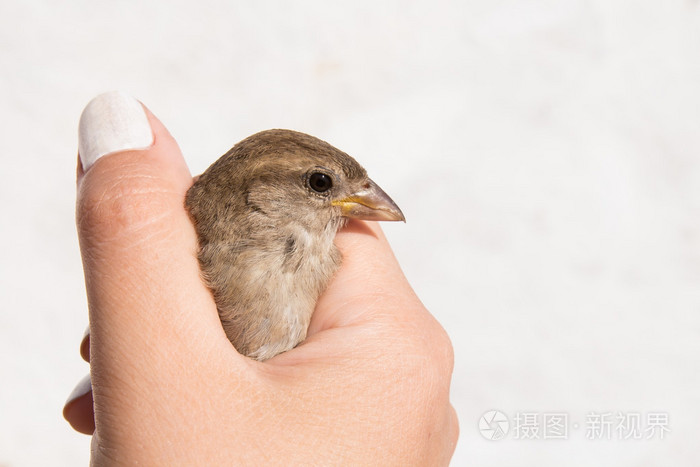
(432, 361)
(110, 207)
(453, 424)
(429, 371)
(435, 346)
(443, 352)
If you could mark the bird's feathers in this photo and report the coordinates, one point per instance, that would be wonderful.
(266, 234)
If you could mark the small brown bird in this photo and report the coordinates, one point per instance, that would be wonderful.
(266, 214)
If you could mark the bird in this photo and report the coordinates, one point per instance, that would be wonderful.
(266, 214)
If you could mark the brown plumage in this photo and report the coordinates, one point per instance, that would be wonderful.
(266, 214)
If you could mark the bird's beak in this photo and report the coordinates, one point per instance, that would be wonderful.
(370, 204)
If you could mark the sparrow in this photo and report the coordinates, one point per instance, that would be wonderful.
(266, 214)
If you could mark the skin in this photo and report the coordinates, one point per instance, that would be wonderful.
(369, 386)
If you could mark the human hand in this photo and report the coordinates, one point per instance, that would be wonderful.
(369, 386)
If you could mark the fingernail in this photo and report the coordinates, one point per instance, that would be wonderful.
(112, 122)
(83, 387)
(85, 345)
(78, 409)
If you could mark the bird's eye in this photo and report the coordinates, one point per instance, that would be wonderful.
(320, 182)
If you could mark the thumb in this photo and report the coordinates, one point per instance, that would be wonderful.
(149, 310)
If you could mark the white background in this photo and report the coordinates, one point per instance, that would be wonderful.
(545, 154)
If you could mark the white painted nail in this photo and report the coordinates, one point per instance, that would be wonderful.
(82, 388)
(112, 122)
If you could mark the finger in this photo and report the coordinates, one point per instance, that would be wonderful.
(148, 306)
(78, 409)
(368, 284)
(370, 308)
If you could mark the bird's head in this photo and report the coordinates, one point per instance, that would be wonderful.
(288, 176)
